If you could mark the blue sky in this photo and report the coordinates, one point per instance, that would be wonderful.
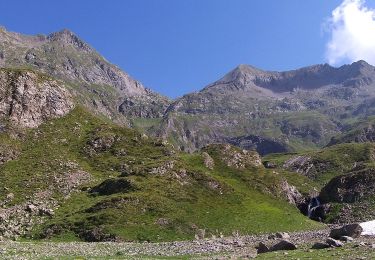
(179, 46)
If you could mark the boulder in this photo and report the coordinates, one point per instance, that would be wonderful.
(98, 235)
(333, 242)
(262, 248)
(269, 165)
(283, 245)
(319, 245)
(351, 230)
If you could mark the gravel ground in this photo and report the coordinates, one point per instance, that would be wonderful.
(241, 246)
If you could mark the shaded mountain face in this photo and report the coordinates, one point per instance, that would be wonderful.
(297, 109)
(95, 82)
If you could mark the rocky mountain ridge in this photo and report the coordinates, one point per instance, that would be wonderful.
(99, 85)
(305, 106)
(295, 109)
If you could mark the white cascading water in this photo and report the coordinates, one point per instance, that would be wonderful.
(313, 204)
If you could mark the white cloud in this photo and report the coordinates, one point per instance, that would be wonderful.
(352, 29)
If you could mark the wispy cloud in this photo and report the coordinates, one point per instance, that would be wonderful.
(352, 32)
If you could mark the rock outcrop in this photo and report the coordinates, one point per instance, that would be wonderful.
(28, 99)
(349, 188)
(235, 157)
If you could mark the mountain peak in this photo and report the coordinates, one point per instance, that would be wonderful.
(242, 72)
(248, 69)
(66, 36)
(361, 62)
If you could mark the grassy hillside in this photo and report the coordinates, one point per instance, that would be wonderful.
(324, 164)
(105, 182)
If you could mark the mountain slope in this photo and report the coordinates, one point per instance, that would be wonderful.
(360, 132)
(298, 109)
(95, 82)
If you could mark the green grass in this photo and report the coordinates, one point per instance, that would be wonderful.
(189, 196)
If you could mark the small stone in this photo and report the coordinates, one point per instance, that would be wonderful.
(10, 196)
(346, 239)
(239, 243)
(282, 235)
(334, 243)
(31, 208)
(272, 236)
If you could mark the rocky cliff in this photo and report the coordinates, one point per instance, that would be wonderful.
(28, 99)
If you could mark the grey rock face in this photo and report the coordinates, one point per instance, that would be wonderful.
(292, 194)
(27, 99)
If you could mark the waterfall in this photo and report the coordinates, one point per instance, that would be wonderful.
(313, 204)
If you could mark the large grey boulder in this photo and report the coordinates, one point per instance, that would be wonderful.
(351, 230)
(319, 245)
(283, 245)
